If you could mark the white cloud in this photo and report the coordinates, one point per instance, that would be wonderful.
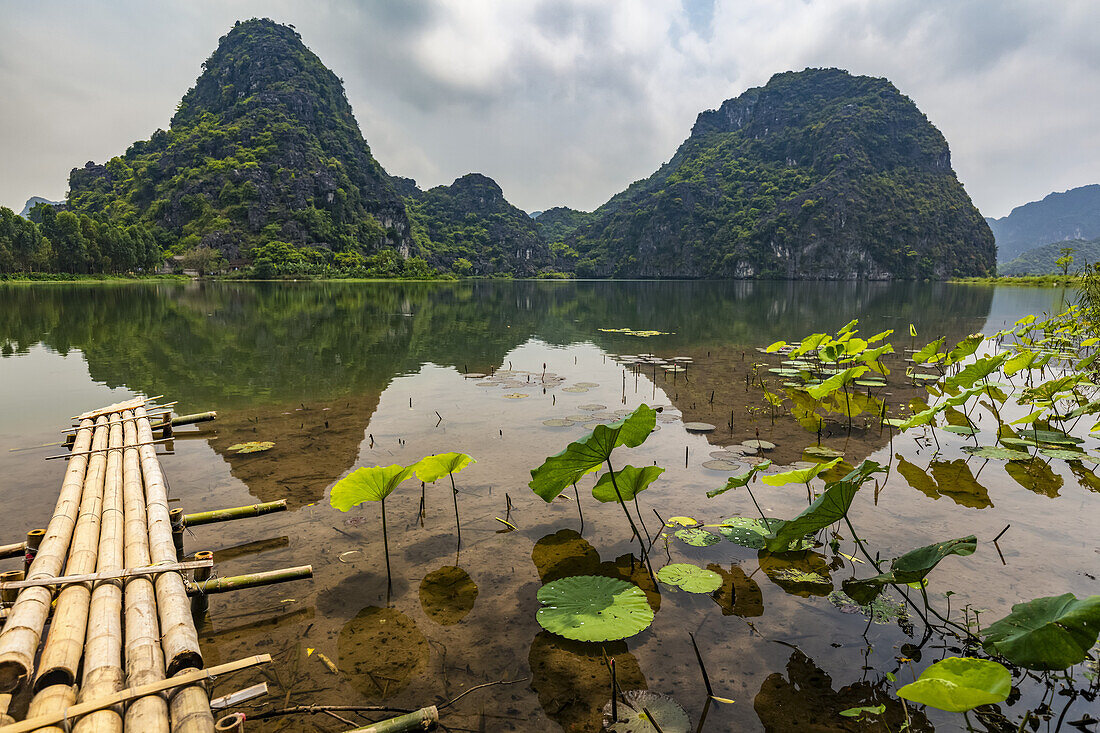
(566, 101)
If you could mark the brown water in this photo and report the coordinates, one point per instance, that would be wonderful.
(346, 375)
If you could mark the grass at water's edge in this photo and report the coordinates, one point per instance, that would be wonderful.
(61, 277)
(1029, 280)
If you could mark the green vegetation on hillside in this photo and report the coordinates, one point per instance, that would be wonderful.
(1068, 215)
(819, 174)
(1056, 258)
(264, 147)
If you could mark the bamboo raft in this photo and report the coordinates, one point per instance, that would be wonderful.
(99, 627)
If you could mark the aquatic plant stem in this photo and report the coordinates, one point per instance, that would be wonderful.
(766, 522)
(641, 542)
(454, 495)
(386, 544)
(577, 493)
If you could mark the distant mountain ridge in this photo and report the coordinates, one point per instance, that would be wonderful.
(35, 201)
(1043, 260)
(817, 175)
(1060, 216)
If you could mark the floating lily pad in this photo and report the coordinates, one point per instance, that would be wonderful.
(721, 465)
(592, 407)
(960, 429)
(486, 384)
(515, 396)
(724, 455)
(574, 389)
(593, 608)
(881, 610)
(821, 451)
(252, 447)
(750, 532)
(759, 444)
(690, 578)
(1065, 455)
(682, 521)
(698, 427)
(870, 383)
(697, 537)
(558, 423)
(667, 714)
(587, 385)
(996, 452)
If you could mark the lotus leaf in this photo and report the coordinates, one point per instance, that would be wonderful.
(958, 684)
(912, 567)
(252, 446)
(630, 480)
(749, 532)
(367, 484)
(960, 429)
(997, 452)
(565, 468)
(977, 370)
(1065, 455)
(799, 475)
(835, 382)
(721, 465)
(432, 468)
(697, 537)
(667, 714)
(741, 479)
(682, 521)
(821, 451)
(1053, 633)
(758, 445)
(880, 610)
(690, 578)
(593, 608)
(698, 427)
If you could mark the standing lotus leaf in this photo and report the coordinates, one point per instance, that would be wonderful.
(958, 684)
(368, 484)
(1055, 632)
(593, 608)
(630, 481)
(666, 713)
(690, 578)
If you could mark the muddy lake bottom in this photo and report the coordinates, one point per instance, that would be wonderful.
(339, 376)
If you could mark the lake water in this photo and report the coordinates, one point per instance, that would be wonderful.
(341, 375)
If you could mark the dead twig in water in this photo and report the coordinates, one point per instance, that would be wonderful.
(453, 700)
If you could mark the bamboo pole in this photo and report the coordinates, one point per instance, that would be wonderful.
(103, 672)
(144, 657)
(240, 512)
(232, 723)
(133, 693)
(47, 703)
(178, 635)
(422, 719)
(60, 660)
(23, 629)
(34, 541)
(95, 578)
(202, 588)
(199, 601)
(8, 595)
(5, 703)
(190, 707)
(15, 550)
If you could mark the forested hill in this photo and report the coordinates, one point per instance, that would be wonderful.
(264, 147)
(470, 228)
(819, 174)
(1073, 214)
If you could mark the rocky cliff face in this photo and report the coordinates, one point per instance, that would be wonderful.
(1059, 217)
(817, 175)
(263, 147)
(471, 220)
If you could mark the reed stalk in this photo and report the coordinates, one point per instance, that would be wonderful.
(103, 673)
(144, 657)
(190, 707)
(23, 628)
(60, 660)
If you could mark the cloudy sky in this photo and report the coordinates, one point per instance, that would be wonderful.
(564, 102)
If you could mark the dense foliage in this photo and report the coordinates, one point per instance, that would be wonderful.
(73, 243)
(1073, 214)
(1050, 259)
(470, 228)
(819, 174)
(264, 147)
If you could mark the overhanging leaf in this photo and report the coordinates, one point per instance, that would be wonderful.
(433, 468)
(367, 484)
(593, 608)
(1046, 633)
(912, 567)
(799, 475)
(835, 382)
(958, 684)
(740, 480)
(630, 480)
(565, 468)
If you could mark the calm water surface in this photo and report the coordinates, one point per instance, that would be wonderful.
(346, 375)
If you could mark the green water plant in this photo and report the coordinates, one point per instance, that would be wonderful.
(959, 684)
(432, 468)
(1049, 633)
(593, 608)
(690, 578)
(372, 483)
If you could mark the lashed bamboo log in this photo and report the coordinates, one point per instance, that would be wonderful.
(5, 703)
(103, 672)
(190, 706)
(178, 635)
(23, 629)
(240, 512)
(134, 693)
(144, 656)
(34, 541)
(251, 580)
(8, 595)
(422, 719)
(48, 703)
(232, 723)
(199, 601)
(93, 451)
(60, 660)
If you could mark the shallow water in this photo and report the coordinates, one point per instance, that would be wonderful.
(344, 375)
